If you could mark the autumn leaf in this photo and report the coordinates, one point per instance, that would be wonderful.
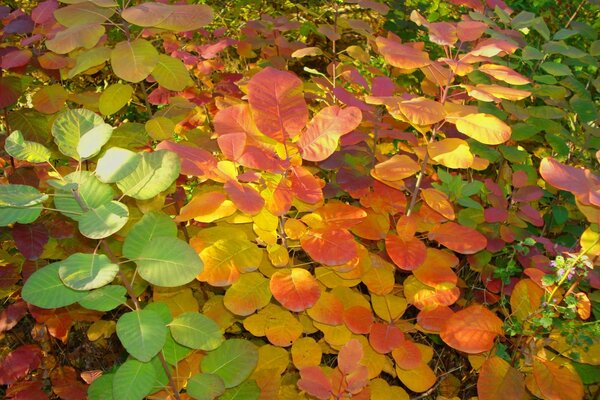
(472, 330)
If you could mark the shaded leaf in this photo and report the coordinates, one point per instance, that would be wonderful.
(142, 333)
(233, 361)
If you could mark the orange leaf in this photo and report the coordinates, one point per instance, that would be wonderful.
(434, 320)
(245, 197)
(397, 168)
(206, 207)
(472, 330)
(459, 238)
(314, 381)
(401, 55)
(407, 355)
(438, 201)
(504, 73)
(358, 319)
(498, 380)
(320, 139)
(327, 310)
(525, 298)
(556, 381)
(330, 246)
(451, 153)
(340, 215)
(385, 337)
(248, 294)
(349, 356)
(437, 268)
(277, 103)
(484, 128)
(295, 288)
(374, 227)
(422, 111)
(305, 185)
(406, 254)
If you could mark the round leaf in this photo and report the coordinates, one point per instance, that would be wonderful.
(101, 388)
(168, 261)
(295, 288)
(22, 149)
(498, 380)
(116, 164)
(171, 73)
(154, 174)
(92, 192)
(103, 221)
(233, 361)
(104, 299)
(173, 351)
(248, 390)
(45, 289)
(205, 386)
(197, 331)
(80, 133)
(133, 61)
(87, 271)
(151, 225)
(115, 97)
(248, 294)
(472, 330)
(133, 380)
(143, 333)
(178, 18)
(484, 128)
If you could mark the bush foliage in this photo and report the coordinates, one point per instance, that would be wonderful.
(277, 200)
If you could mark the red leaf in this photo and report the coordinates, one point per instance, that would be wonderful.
(314, 382)
(194, 161)
(385, 337)
(350, 356)
(295, 288)
(19, 363)
(66, 385)
(459, 238)
(9, 275)
(330, 246)
(30, 239)
(245, 198)
(407, 254)
(26, 390)
(305, 185)
(44, 11)
(358, 319)
(277, 103)
(320, 139)
(434, 320)
(11, 316)
(575, 180)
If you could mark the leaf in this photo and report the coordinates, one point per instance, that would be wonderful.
(103, 221)
(330, 246)
(80, 133)
(194, 160)
(419, 379)
(327, 310)
(30, 239)
(248, 294)
(320, 139)
(142, 333)
(45, 289)
(178, 18)
(233, 361)
(556, 380)
(102, 387)
(205, 386)
(105, 298)
(459, 238)
(396, 168)
(133, 380)
(525, 298)
(401, 55)
(224, 260)
(92, 192)
(89, 60)
(439, 202)
(50, 99)
(295, 288)
(19, 362)
(407, 355)
(565, 177)
(87, 271)
(115, 97)
(82, 13)
(171, 73)
(196, 330)
(498, 380)
(155, 172)
(152, 225)
(314, 382)
(350, 356)
(504, 73)
(168, 261)
(21, 149)
(248, 390)
(451, 153)
(133, 61)
(385, 337)
(484, 128)
(74, 37)
(472, 330)
(277, 103)
(358, 319)
(408, 254)
(116, 164)
(306, 352)
(421, 111)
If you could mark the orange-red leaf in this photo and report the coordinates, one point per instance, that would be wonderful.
(459, 238)
(305, 185)
(407, 355)
(407, 254)
(472, 330)
(320, 139)
(385, 337)
(341, 215)
(438, 201)
(401, 55)
(277, 103)
(330, 246)
(327, 310)
(557, 381)
(433, 320)
(498, 380)
(350, 356)
(422, 111)
(245, 197)
(295, 288)
(314, 382)
(358, 319)
(504, 73)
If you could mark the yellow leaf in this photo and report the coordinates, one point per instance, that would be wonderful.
(178, 301)
(101, 329)
(451, 153)
(306, 353)
(272, 357)
(380, 390)
(484, 128)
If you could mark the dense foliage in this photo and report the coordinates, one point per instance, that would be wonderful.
(281, 200)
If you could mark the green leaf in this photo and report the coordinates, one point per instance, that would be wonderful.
(171, 73)
(101, 388)
(80, 133)
(21, 215)
(197, 331)
(133, 380)
(115, 97)
(585, 108)
(160, 128)
(22, 149)
(104, 299)
(558, 144)
(116, 164)
(103, 221)
(89, 59)
(168, 261)
(82, 271)
(91, 191)
(45, 289)
(152, 225)
(161, 309)
(20, 196)
(560, 214)
(556, 69)
(133, 61)
(205, 386)
(248, 390)
(154, 174)
(173, 351)
(233, 361)
(142, 333)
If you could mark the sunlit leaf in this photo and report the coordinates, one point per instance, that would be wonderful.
(105, 298)
(115, 97)
(178, 18)
(45, 289)
(306, 352)
(396, 168)
(439, 202)
(87, 271)
(459, 238)
(329, 246)
(295, 288)
(248, 294)
(142, 333)
(402, 55)
(328, 310)
(155, 172)
(196, 330)
(385, 337)
(233, 361)
(152, 225)
(451, 153)
(556, 380)
(80, 133)
(133, 61)
(224, 260)
(484, 128)
(116, 163)
(525, 298)
(421, 111)
(472, 330)
(89, 60)
(74, 37)
(82, 13)
(22, 149)
(406, 254)
(103, 221)
(504, 73)
(171, 73)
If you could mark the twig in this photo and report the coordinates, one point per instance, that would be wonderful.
(574, 14)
